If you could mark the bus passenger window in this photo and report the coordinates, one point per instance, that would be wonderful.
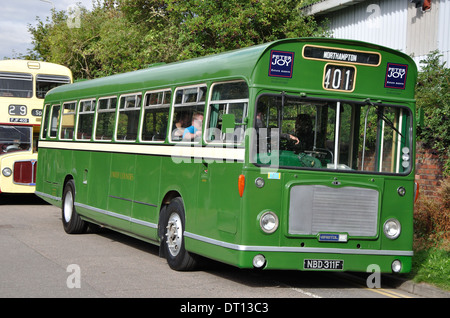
(86, 113)
(54, 120)
(127, 126)
(67, 121)
(227, 98)
(106, 114)
(188, 111)
(45, 120)
(156, 115)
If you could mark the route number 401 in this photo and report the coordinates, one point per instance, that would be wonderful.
(339, 77)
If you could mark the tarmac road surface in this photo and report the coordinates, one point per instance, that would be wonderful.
(38, 259)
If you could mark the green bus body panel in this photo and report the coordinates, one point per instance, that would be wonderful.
(306, 74)
(126, 191)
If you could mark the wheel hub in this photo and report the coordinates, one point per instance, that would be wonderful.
(68, 206)
(174, 234)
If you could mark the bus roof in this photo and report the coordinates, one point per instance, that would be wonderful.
(33, 67)
(232, 64)
(240, 63)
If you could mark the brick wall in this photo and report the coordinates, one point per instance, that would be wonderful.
(429, 170)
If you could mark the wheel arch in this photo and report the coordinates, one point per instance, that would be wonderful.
(66, 179)
(168, 197)
(72, 222)
(171, 227)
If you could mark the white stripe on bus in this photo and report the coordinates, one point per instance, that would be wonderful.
(188, 151)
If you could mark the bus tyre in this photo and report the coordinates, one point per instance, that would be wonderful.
(172, 240)
(72, 222)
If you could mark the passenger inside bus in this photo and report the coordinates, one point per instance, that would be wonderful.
(195, 130)
(181, 120)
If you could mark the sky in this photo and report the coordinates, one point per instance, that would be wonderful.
(15, 15)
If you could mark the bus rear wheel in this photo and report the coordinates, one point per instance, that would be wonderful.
(172, 240)
(72, 222)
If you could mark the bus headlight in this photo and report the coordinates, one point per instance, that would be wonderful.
(7, 172)
(396, 266)
(269, 222)
(259, 261)
(392, 228)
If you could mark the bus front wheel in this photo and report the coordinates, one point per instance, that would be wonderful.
(72, 222)
(172, 240)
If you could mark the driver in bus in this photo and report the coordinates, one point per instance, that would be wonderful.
(260, 124)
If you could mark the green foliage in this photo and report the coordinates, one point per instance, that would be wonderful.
(209, 26)
(433, 98)
(105, 43)
(432, 218)
(432, 266)
(432, 238)
(304, 3)
(124, 35)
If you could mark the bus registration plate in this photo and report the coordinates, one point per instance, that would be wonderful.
(325, 264)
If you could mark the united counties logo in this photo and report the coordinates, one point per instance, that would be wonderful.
(396, 76)
(281, 63)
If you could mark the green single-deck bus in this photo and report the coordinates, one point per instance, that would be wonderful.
(294, 154)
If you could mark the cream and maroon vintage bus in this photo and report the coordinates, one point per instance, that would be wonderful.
(23, 85)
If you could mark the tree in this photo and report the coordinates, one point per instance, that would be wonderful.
(124, 35)
(433, 99)
(211, 26)
(104, 43)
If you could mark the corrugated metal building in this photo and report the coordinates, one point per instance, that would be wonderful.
(393, 23)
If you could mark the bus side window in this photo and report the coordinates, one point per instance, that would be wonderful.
(86, 114)
(54, 121)
(68, 120)
(106, 111)
(188, 106)
(127, 126)
(45, 121)
(156, 115)
(227, 98)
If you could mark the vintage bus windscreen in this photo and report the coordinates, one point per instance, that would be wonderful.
(342, 135)
(296, 154)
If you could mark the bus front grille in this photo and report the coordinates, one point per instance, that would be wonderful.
(315, 208)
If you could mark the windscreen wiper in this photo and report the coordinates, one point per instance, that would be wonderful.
(383, 116)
